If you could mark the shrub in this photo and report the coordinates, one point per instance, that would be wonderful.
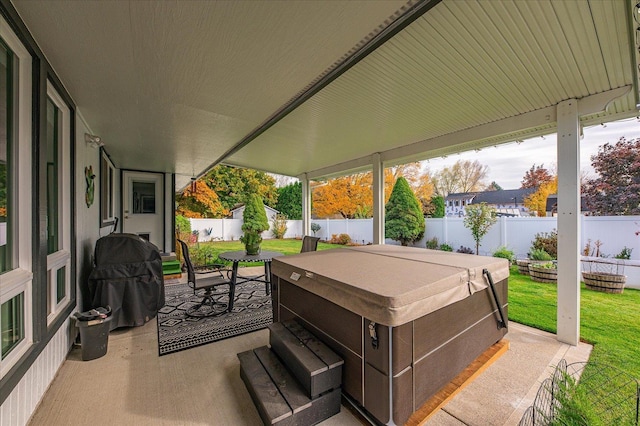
(404, 221)
(315, 228)
(504, 253)
(539, 254)
(445, 247)
(547, 241)
(343, 239)
(183, 227)
(432, 243)
(279, 226)
(466, 250)
(625, 253)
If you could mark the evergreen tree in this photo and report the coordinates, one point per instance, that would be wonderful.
(254, 217)
(290, 201)
(438, 203)
(403, 215)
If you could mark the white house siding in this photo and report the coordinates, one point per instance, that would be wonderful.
(20, 405)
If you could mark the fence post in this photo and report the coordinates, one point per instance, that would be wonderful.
(445, 230)
(503, 231)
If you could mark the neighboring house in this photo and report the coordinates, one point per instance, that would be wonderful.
(454, 204)
(552, 206)
(238, 211)
(507, 202)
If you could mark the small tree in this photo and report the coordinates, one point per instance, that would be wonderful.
(254, 222)
(315, 228)
(479, 219)
(403, 221)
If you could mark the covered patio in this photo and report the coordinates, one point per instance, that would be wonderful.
(163, 91)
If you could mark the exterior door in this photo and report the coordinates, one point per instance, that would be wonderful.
(143, 206)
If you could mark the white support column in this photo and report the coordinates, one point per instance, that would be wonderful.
(306, 206)
(568, 314)
(378, 199)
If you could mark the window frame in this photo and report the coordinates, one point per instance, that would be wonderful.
(62, 257)
(107, 188)
(20, 278)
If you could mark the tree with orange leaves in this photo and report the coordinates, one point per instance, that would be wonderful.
(346, 196)
(538, 200)
(198, 200)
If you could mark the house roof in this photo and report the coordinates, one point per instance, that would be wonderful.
(505, 196)
(320, 87)
(552, 203)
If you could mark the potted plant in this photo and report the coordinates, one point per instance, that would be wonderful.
(542, 269)
(546, 242)
(254, 223)
(606, 275)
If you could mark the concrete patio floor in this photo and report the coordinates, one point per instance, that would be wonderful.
(131, 384)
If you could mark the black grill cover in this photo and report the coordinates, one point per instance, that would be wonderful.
(127, 277)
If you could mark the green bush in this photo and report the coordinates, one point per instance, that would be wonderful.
(445, 247)
(539, 254)
(624, 254)
(505, 253)
(183, 227)
(547, 241)
(432, 243)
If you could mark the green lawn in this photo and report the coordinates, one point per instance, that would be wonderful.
(204, 252)
(611, 322)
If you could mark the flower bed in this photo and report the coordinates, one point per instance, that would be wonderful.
(604, 282)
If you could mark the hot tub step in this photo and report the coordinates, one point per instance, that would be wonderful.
(317, 368)
(278, 397)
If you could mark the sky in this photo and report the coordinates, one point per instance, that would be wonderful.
(509, 162)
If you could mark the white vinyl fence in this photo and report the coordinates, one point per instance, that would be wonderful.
(516, 233)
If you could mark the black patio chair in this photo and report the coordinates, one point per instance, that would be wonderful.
(309, 244)
(216, 275)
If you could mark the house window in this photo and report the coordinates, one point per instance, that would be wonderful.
(57, 145)
(107, 189)
(15, 199)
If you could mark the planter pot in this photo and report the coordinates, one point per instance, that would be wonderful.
(604, 282)
(523, 265)
(252, 249)
(543, 275)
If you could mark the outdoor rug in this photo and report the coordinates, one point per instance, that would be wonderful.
(176, 331)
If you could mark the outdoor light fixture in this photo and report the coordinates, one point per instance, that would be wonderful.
(93, 140)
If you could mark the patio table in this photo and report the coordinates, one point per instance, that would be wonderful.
(241, 256)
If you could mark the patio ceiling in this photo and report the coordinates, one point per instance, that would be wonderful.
(180, 86)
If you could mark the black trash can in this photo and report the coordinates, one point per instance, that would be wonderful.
(94, 328)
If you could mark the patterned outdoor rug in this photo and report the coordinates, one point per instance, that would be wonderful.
(176, 331)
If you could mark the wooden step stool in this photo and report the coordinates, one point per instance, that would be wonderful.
(297, 381)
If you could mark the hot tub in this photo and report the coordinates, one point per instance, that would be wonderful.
(405, 320)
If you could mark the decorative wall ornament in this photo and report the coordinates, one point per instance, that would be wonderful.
(89, 177)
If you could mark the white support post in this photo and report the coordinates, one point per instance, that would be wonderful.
(306, 206)
(378, 199)
(568, 314)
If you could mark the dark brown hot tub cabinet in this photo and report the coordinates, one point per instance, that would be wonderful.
(405, 320)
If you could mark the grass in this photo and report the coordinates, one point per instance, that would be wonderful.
(610, 322)
(204, 252)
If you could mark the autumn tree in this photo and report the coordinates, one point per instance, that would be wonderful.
(404, 221)
(479, 218)
(346, 196)
(233, 185)
(463, 176)
(616, 190)
(537, 201)
(198, 200)
(536, 176)
(290, 201)
(425, 191)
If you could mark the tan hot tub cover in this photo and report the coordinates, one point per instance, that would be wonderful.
(390, 285)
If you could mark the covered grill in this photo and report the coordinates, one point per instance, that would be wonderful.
(405, 320)
(127, 277)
